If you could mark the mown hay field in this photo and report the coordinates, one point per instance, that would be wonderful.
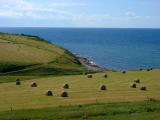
(82, 90)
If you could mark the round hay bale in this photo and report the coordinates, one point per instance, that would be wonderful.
(105, 76)
(17, 80)
(85, 73)
(49, 93)
(103, 87)
(140, 69)
(64, 94)
(18, 83)
(133, 85)
(137, 80)
(143, 88)
(66, 86)
(34, 84)
(90, 76)
(148, 69)
(123, 72)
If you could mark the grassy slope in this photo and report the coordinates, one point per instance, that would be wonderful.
(82, 90)
(31, 55)
(140, 110)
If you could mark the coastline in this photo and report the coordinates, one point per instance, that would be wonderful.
(90, 65)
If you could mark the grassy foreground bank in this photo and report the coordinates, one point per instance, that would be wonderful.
(140, 110)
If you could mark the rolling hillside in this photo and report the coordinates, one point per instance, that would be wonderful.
(31, 55)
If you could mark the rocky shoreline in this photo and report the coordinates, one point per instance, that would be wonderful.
(89, 65)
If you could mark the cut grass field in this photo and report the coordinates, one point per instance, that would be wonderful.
(83, 90)
(31, 55)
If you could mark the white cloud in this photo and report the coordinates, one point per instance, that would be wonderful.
(25, 9)
(10, 13)
(62, 4)
(14, 8)
(130, 13)
(137, 17)
(9, 1)
(99, 17)
(90, 17)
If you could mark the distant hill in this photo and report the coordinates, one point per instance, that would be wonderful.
(31, 55)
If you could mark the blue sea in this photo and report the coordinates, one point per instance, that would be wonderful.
(114, 48)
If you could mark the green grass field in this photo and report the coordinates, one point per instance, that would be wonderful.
(34, 60)
(139, 110)
(82, 90)
(31, 55)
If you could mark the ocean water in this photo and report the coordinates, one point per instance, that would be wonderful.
(118, 49)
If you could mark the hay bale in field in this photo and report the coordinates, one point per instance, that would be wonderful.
(90, 76)
(140, 69)
(64, 94)
(85, 73)
(123, 72)
(17, 80)
(66, 86)
(18, 83)
(143, 88)
(137, 80)
(103, 87)
(105, 76)
(49, 93)
(34, 84)
(133, 85)
(148, 69)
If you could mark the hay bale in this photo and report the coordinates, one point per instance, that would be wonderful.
(90, 76)
(143, 88)
(64, 94)
(17, 80)
(85, 73)
(66, 86)
(140, 69)
(148, 69)
(137, 80)
(18, 83)
(105, 76)
(123, 72)
(34, 84)
(133, 85)
(49, 93)
(103, 87)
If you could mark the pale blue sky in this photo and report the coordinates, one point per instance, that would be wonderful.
(80, 13)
